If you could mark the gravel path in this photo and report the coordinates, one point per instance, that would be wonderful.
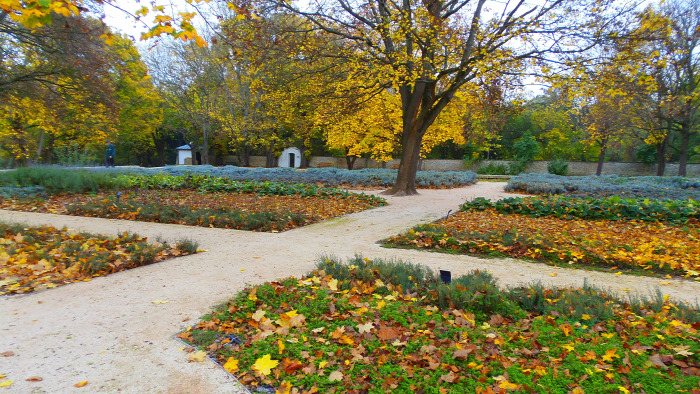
(108, 332)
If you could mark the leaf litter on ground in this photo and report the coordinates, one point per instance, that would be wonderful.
(39, 258)
(326, 334)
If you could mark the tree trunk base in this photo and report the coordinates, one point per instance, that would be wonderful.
(399, 193)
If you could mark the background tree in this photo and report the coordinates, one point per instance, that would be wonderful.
(427, 51)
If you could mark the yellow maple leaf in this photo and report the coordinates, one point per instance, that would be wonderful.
(333, 284)
(264, 365)
(6, 383)
(231, 365)
(623, 390)
(81, 384)
(508, 385)
(258, 315)
(610, 354)
(198, 356)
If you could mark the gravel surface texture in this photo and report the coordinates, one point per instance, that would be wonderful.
(109, 333)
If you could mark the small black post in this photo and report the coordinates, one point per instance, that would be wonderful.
(446, 277)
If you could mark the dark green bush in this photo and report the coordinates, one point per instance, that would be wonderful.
(558, 167)
(493, 169)
(58, 180)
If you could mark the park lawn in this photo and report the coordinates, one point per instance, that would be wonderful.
(39, 258)
(638, 247)
(247, 211)
(355, 330)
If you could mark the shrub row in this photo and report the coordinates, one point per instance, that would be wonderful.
(206, 217)
(479, 293)
(211, 184)
(56, 180)
(61, 180)
(674, 188)
(613, 208)
(326, 176)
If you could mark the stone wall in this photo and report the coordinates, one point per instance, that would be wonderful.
(575, 167)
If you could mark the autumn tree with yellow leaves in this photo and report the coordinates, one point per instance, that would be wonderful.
(426, 51)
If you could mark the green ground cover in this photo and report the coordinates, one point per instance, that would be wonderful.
(373, 326)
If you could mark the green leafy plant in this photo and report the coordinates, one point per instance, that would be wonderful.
(558, 167)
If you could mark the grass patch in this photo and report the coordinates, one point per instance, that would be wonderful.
(39, 258)
(377, 326)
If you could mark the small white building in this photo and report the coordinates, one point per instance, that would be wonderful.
(183, 152)
(290, 157)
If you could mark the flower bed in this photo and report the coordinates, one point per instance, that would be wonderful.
(38, 258)
(673, 188)
(244, 211)
(613, 208)
(627, 244)
(355, 328)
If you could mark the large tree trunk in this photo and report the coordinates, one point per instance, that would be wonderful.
(160, 144)
(350, 161)
(419, 108)
(405, 184)
(601, 157)
(244, 155)
(661, 148)
(685, 140)
(304, 160)
(271, 162)
(40, 148)
(193, 148)
(205, 145)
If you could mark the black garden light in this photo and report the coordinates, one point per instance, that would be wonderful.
(446, 277)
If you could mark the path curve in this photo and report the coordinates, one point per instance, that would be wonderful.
(108, 332)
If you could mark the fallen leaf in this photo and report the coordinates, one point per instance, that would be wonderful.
(609, 355)
(35, 379)
(333, 284)
(335, 376)
(387, 333)
(508, 385)
(198, 356)
(231, 365)
(461, 354)
(264, 365)
(6, 383)
(159, 302)
(81, 384)
(683, 350)
(450, 377)
(258, 315)
(553, 274)
(7, 354)
(365, 328)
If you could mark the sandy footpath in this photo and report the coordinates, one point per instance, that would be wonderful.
(109, 333)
